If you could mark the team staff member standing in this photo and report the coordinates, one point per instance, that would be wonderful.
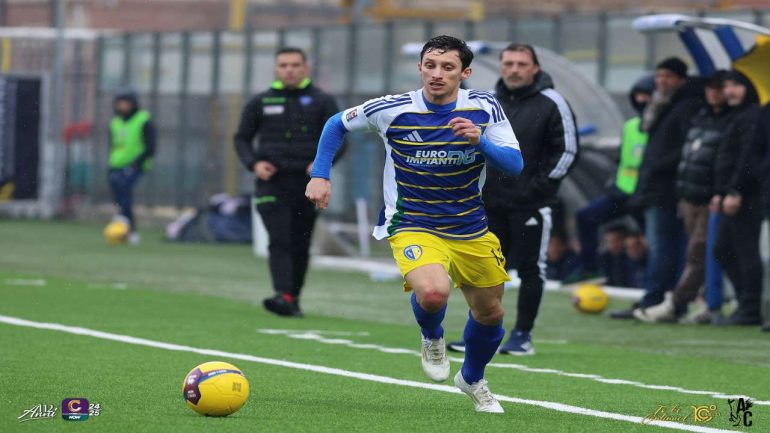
(289, 118)
(132, 144)
(519, 208)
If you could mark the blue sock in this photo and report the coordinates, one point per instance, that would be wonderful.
(430, 323)
(481, 343)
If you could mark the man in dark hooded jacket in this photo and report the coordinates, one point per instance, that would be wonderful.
(666, 119)
(132, 144)
(737, 244)
(760, 156)
(519, 208)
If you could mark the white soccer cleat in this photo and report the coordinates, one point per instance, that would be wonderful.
(434, 360)
(479, 392)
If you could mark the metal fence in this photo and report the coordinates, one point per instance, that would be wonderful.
(196, 83)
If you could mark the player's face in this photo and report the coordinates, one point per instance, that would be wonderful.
(734, 92)
(441, 75)
(667, 82)
(291, 69)
(518, 69)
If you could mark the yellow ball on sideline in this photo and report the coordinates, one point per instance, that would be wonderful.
(116, 232)
(590, 298)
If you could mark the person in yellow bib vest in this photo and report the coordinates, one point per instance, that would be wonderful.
(614, 204)
(132, 144)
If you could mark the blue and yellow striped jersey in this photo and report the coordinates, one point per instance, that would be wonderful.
(432, 180)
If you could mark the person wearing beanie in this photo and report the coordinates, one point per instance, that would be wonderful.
(666, 119)
(675, 65)
(737, 243)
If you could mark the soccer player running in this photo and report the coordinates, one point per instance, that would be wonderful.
(437, 140)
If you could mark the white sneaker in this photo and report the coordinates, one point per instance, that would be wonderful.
(479, 392)
(661, 313)
(434, 360)
(134, 238)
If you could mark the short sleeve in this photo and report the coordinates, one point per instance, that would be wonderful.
(375, 114)
(354, 119)
(501, 134)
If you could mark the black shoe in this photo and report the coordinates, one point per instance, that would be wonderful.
(741, 318)
(279, 305)
(623, 314)
(295, 310)
(766, 328)
(627, 314)
(580, 276)
(456, 346)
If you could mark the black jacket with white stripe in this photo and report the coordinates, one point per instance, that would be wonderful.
(545, 128)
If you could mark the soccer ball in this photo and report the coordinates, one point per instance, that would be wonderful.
(590, 298)
(215, 389)
(116, 232)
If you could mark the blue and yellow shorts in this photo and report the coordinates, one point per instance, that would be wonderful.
(475, 262)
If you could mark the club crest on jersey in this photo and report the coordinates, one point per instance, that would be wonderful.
(352, 114)
(413, 252)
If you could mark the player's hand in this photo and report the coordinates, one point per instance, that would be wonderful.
(319, 191)
(463, 127)
(264, 170)
(715, 205)
(731, 204)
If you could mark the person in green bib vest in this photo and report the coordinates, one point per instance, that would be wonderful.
(132, 144)
(614, 204)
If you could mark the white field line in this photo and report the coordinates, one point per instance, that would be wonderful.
(316, 336)
(560, 407)
(25, 282)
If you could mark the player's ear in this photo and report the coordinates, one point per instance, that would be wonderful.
(419, 66)
(467, 73)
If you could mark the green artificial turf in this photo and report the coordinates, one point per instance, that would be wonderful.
(208, 296)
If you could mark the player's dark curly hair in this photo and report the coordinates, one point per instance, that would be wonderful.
(445, 43)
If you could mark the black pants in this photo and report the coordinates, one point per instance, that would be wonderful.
(122, 183)
(289, 218)
(737, 250)
(524, 236)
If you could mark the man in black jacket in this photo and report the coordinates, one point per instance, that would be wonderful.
(666, 119)
(760, 156)
(519, 208)
(695, 186)
(737, 244)
(289, 118)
